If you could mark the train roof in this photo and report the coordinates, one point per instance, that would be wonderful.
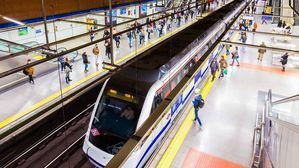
(140, 75)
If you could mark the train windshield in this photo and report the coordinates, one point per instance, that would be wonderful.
(115, 120)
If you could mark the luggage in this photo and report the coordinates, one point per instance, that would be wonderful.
(201, 103)
(225, 71)
(25, 72)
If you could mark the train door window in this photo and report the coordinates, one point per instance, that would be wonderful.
(185, 69)
(165, 91)
(157, 101)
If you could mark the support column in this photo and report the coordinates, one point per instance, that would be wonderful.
(45, 22)
(287, 11)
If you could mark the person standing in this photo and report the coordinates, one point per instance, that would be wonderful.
(68, 70)
(108, 48)
(149, 30)
(117, 41)
(284, 61)
(30, 72)
(223, 66)
(141, 37)
(261, 52)
(235, 57)
(197, 103)
(62, 62)
(130, 38)
(254, 26)
(85, 61)
(227, 48)
(96, 53)
(106, 34)
(214, 68)
(92, 35)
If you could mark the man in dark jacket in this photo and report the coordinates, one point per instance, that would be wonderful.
(284, 61)
(85, 61)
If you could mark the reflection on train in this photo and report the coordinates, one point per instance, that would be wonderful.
(129, 97)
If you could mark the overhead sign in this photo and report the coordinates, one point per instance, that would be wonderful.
(23, 31)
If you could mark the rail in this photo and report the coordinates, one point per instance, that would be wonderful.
(261, 131)
(73, 147)
(46, 138)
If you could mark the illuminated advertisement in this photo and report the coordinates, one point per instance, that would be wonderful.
(114, 17)
(143, 10)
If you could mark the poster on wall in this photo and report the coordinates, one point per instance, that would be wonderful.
(123, 11)
(114, 17)
(23, 31)
(143, 10)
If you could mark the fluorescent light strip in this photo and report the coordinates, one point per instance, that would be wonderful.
(12, 20)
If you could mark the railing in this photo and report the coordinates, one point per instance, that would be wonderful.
(275, 141)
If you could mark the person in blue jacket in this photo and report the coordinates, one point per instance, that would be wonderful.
(196, 102)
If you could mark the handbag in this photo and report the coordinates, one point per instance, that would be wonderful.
(225, 71)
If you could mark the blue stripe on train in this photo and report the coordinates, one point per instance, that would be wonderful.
(153, 142)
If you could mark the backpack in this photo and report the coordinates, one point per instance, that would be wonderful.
(201, 103)
(25, 72)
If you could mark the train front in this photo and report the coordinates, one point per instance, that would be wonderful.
(113, 121)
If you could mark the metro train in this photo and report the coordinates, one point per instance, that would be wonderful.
(129, 97)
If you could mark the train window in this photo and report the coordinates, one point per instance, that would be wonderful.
(157, 101)
(185, 70)
(115, 120)
(166, 90)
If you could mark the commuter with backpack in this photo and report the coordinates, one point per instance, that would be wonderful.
(198, 102)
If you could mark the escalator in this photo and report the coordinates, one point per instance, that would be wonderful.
(7, 48)
(276, 136)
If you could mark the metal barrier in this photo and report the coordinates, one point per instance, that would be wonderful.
(274, 136)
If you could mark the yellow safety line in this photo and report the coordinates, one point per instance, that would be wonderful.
(177, 141)
(38, 57)
(48, 99)
(181, 134)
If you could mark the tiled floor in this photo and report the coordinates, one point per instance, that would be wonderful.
(229, 114)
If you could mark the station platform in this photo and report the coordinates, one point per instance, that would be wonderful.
(231, 104)
(25, 98)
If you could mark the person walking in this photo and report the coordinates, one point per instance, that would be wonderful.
(30, 72)
(284, 61)
(108, 48)
(96, 53)
(197, 103)
(261, 52)
(68, 70)
(235, 57)
(223, 66)
(214, 68)
(85, 61)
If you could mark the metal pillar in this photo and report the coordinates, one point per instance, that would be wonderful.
(45, 21)
(111, 32)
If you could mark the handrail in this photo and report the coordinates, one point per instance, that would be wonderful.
(285, 100)
(260, 128)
